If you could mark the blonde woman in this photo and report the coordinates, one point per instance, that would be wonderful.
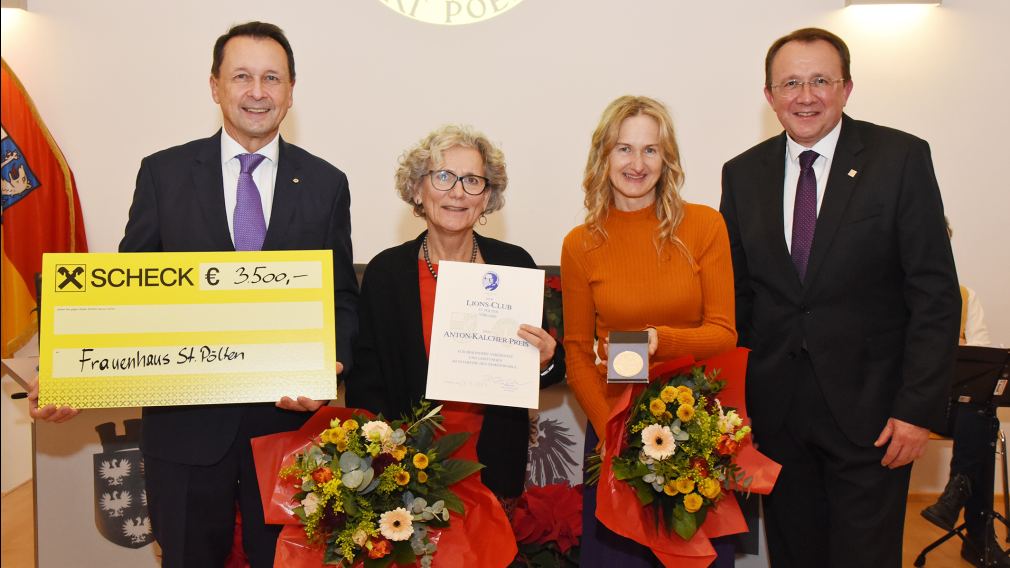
(644, 260)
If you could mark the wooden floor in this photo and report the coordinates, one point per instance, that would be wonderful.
(18, 527)
(18, 550)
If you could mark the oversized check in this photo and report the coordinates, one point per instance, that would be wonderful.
(476, 355)
(160, 329)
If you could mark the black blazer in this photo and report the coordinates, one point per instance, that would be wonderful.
(879, 310)
(392, 367)
(178, 205)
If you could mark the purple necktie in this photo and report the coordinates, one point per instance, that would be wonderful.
(804, 213)
(250, 226)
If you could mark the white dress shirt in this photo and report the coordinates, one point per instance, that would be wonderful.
(975, 330)
(264, 175)
(822, 166)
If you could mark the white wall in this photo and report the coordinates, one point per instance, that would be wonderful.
(117, 80)
(15, 428)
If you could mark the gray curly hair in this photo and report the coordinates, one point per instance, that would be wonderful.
(416, 161)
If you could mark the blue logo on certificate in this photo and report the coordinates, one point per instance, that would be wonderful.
(490, 281)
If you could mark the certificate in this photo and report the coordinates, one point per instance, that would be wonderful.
(476, 354)
(159, 329)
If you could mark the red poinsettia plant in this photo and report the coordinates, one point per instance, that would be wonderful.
(547, 522)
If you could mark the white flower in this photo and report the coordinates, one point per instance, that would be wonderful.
(659, 442)
(377, 431)
(360, 537)
(729, 422)
(395, 524)
(311, 504)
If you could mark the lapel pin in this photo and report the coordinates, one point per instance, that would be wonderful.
(296, 180)
(852, 173)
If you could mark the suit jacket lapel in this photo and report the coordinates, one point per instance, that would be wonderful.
(285, 201)
(209, 187)
(771, 182)
(837, 193)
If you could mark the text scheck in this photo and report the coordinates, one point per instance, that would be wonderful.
(150, 277)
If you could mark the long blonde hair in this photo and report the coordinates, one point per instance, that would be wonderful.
(596, 181)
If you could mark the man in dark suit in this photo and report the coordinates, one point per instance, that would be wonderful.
(847, 295)
(198, 197)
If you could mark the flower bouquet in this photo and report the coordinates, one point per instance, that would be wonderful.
(358, 491)
(675, 450)
(548, 524)
(680, 450)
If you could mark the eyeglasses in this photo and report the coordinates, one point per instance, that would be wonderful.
(268, 81)
(793, 87)
(445, 180)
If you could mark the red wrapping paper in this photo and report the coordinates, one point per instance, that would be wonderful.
(619, 509)
(483, 538)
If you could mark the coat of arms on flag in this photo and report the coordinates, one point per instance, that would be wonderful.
(17, 178)
(40, 209)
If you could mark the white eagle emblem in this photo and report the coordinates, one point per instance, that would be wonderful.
(137, 529)
(113, 471)
(115, 502)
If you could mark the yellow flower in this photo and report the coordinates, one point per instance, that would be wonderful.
(350, 425)
(399, 452)
(420, 461)
(332, 435)
(692, 502)
(685, 396)
(402, 478)
(331, 487)
(668, 394)
(657, 407)
(685, 412)
(422, 477)
(684, 484)
(709, 488)
(670, 488)
(342, 446)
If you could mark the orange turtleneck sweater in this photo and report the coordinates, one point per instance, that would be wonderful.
(622, 283)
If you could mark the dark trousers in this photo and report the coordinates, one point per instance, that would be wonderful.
(833, 504)
(192, 508)
(974, 455)
(603, 548)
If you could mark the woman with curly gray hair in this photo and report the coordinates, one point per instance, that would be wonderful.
(452, 178)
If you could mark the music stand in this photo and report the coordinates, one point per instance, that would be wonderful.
(981, 377)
